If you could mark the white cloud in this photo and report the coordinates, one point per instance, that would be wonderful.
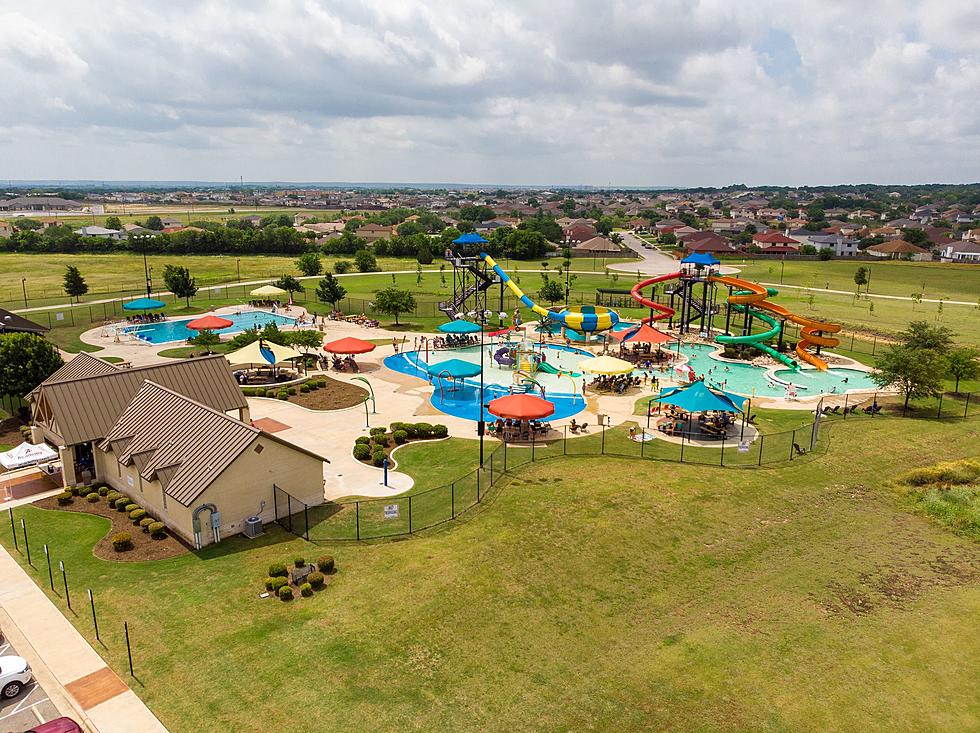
(524, 91)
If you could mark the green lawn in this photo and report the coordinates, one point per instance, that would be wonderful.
(652, 597)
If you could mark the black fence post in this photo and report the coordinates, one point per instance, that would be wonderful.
(129, 649)
(357, 518)
(452, 499)
(289, 511)
(603, 445)
(792, 445)
(682, 445)
(762, 442)
(966, 407)
(95, 619)
(13, 529)
(47, 556)
(505, 454)
(306, 521)
(64, 577)
(532, 446)
(874, 344)
(23, 526)
(275, 501)
(939, 410)
(410, 514)
(722, 462)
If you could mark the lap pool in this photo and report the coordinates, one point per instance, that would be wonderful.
(164, 332)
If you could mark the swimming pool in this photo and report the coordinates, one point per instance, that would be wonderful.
(565, 391)
(165, 332)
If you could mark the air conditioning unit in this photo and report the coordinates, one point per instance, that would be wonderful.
(253, 527)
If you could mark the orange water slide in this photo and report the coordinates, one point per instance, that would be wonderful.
(812, 333)
(663, 311)
(747, 293)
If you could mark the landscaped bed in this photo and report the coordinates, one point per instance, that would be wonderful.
(374, 449)
(320, 393)
(144, 546)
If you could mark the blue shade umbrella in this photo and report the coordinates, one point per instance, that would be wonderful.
(469, 238)
(143, 304)
(700, 258)
(455, 368)
(459, 326)
(697, 398)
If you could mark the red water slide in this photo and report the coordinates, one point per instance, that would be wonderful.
(663, 311)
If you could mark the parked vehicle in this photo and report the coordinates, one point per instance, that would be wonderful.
(15, 672)
(58, 725)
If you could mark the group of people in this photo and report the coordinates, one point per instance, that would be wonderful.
(509, 429)
(643, 352)
(618, 383)
(344, 364)
(360, 320)
(452, 341)
(146, 318)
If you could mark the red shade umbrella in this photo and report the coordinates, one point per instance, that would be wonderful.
(209, 323)
(646, 335)
(349, 345)
(521, 407)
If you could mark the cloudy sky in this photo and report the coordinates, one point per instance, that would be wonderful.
(663, 92)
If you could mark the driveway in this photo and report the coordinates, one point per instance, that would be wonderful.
(29, 708)
(653, 262)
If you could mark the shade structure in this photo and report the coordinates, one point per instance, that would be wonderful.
(27, 454)
(469, 238)
(697, 397)
(607, 365)
(646, 334)
(700, 258)
(209, 323)
(267, 291)
(348, 345)
(521, 407)
(459, 326)
(263, 352)
(144, 304)
(455, 368)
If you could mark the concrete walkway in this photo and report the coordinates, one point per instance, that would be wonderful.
(77, 679)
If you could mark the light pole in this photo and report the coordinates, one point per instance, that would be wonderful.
(146, 268)
(481, 427)
(238, 269)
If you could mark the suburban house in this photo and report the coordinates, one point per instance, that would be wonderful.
(137, 229)
(596, 245)
(895, 249)
(374, 232)
(962, 251)
(179, 458)
(774, 239)
(714, 246)
(170, 221)
(840, 245)
(97, 231)
(639, 225)
(697, 240)
(579, 232)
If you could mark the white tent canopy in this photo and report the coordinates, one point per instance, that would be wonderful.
(27, 454)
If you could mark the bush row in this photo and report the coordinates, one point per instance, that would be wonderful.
(283, 393)
(278, 580)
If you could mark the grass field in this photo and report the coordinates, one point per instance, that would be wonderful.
(802, 598)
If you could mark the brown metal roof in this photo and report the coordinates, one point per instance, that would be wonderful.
(81, 365)
(85, 407)
(12, 323)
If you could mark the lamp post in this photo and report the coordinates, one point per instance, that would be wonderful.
(481, 317)
(146, 268)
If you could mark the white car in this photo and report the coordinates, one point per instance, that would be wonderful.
(15, 672)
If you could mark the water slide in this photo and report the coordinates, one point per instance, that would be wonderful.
(502, 356)
(549, 369)
(584, 319)
(663, 311)
(749, 296)
(812, 333)
(526, 379)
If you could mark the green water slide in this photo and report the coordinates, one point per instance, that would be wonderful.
(548, 369)
(758, 339)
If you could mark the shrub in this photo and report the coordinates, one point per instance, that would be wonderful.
(325, 564)
(398, 426)
(285, 593)
(304, 388)
(306, 590)
(378, 457)
(73, 490)
(132, 508)
(321, 383)
(122, 541)
(270, 393)
(248, 392)
(112, 496)
(315, 580)
(279, 582)
(103, 491)
(424, 429)
(121, 502)
(399, 436)
(313, 384)
(92, 498)
(362, 452)
(292, 390)
(145, 523)
(299, 562)
(64, 498)
(362, 439)
(137, 514)
(157, 530)
(282, 395)
(411, 428)
(278, 570)
(440, 431)
(270, 584)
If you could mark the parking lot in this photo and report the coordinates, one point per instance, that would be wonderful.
(29, 708)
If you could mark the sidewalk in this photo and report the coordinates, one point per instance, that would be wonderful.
(74, 675)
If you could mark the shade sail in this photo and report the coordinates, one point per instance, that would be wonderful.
(209, 323)
(143, 304)
(607, 365)
(700, 258)
(469, 238)
(459, 326)
(348, 345)
(27, 454)
(267, 291)
(696, 397)
(455, 368)
(521, 407)
(263, 352)
(645, 334)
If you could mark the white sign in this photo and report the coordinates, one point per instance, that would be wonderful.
(59, 316)
(129, 480)
(743, 447)
(391, 511)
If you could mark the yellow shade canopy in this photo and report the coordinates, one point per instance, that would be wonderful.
(607, 365)
(267, 291)
(262, 352)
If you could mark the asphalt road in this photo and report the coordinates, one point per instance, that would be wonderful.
(30, 708)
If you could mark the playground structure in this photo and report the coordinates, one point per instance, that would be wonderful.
(694, 304)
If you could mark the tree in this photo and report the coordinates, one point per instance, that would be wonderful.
(668, 238)
(915, 236)
(179, 282)
(26, 360)
(342, 266)
(309, 264)
(113, 222)
(154, 222)
(366, 261)
(206, 339)
(552, 292)
(288, 283)
(392, 302)
(915, 372)
(424, 256)
(308, 339)
(962, 364)
(860, 278)
(330, 290)
(923, 335)
(75, 285)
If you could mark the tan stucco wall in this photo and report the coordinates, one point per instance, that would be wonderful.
(237, 492)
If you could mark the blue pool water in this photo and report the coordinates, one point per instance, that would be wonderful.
(464, 401)
(166, 332)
